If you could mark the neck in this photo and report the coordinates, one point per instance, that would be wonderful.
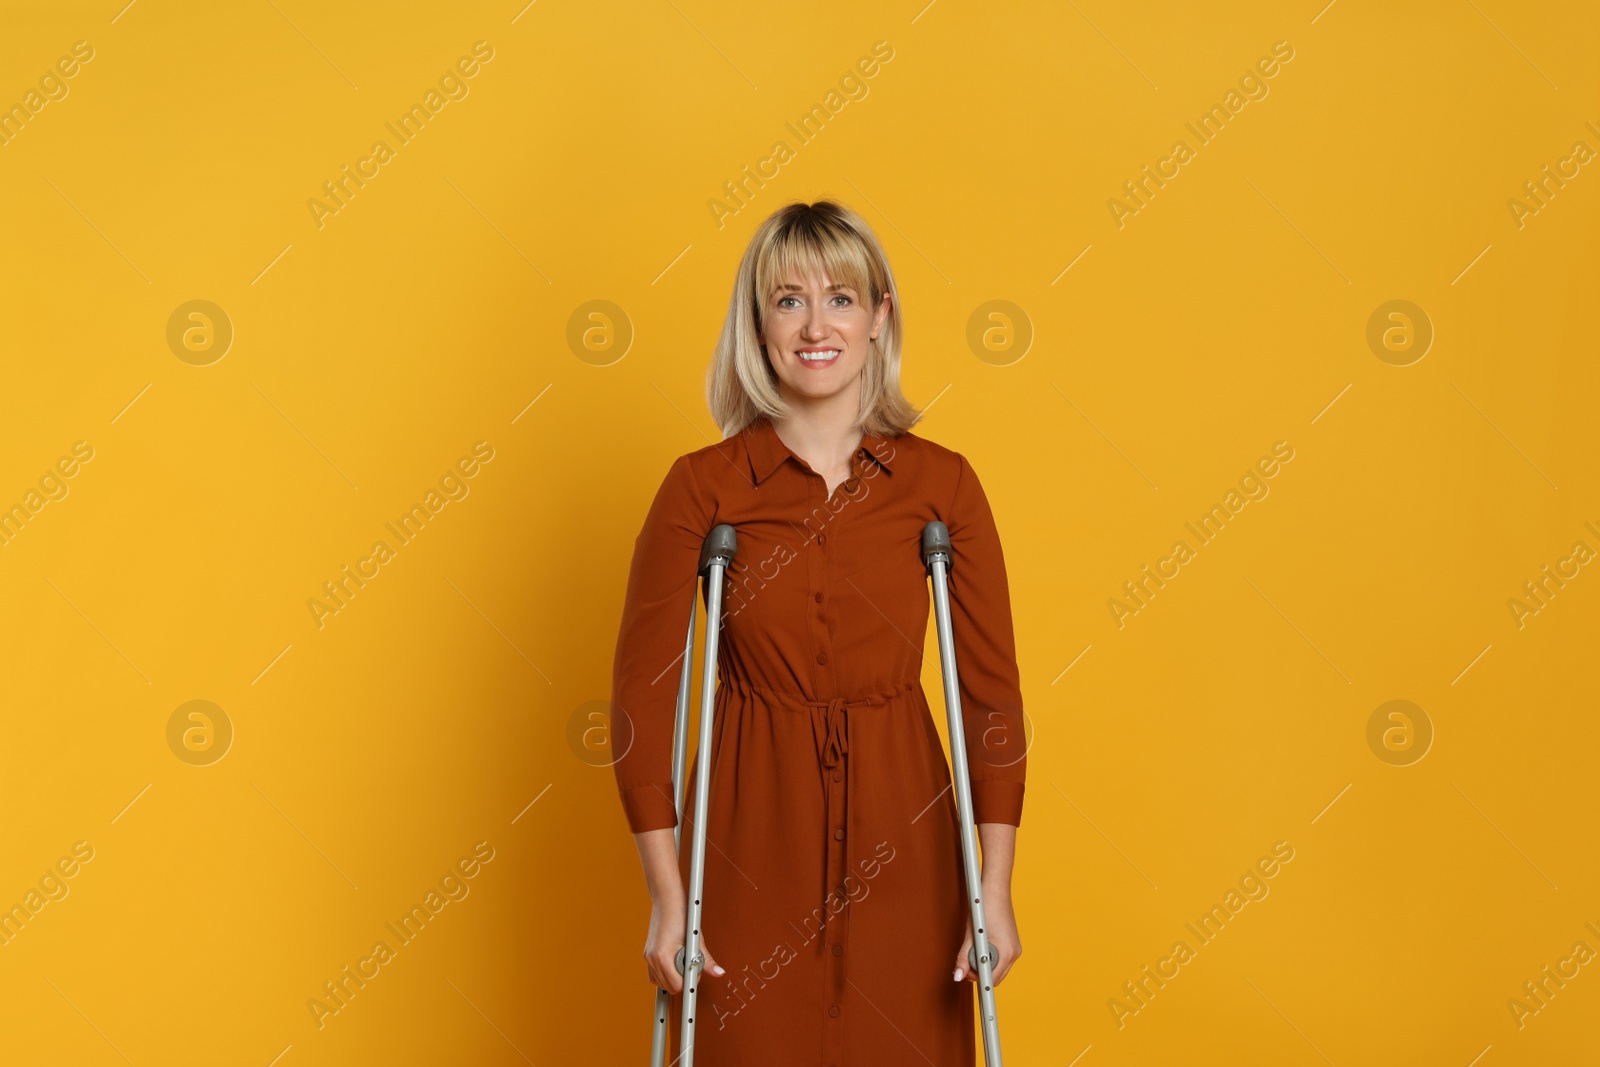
(822, 430)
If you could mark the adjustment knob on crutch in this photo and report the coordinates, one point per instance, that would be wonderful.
(938, 559)
(715, 555)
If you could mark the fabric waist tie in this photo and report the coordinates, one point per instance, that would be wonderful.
(830, 725)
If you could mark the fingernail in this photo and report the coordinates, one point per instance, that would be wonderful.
(958, 974)
(716, 968)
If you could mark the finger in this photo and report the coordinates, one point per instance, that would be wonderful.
(963, 970)
(1008, 956)
(711, 965)
(665, 974)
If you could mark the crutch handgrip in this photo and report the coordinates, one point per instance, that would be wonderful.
(936, 545)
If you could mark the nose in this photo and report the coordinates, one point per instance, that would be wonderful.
(815, 327)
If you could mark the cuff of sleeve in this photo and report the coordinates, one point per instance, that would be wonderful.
(996, 800)
(649, 807)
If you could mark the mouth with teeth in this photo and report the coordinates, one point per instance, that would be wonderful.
(818, 357)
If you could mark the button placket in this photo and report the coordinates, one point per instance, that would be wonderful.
(832, 738)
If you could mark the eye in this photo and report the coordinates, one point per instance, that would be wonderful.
(842, 296)
(781, 300)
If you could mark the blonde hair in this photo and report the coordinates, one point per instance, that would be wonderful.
(798, 241)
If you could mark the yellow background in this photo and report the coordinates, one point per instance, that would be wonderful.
(431, 311)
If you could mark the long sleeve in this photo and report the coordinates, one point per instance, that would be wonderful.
(986, 658)
(662, 583)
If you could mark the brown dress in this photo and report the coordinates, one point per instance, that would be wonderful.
(833, 878)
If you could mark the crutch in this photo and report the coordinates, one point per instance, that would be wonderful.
(937, 558)
(715, 556)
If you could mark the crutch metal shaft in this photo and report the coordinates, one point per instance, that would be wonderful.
(938, 559)
(680, 742)
(715, 556)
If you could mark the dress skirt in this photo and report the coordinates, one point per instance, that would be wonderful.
(832, 885)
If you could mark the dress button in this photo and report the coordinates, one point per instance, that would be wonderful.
(822, 539)
(836, 776)
(834, 1011)
(838, 835)
(817, 597)
(822, 657)
(838, 950)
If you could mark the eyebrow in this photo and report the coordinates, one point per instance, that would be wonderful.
(832, 288)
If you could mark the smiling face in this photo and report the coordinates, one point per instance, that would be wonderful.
(816, 334)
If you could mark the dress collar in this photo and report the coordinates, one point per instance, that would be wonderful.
(767, 451)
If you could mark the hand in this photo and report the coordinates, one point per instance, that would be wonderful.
(663, 942)
(1001, 930)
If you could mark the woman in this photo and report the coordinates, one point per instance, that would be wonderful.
(835, 926)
